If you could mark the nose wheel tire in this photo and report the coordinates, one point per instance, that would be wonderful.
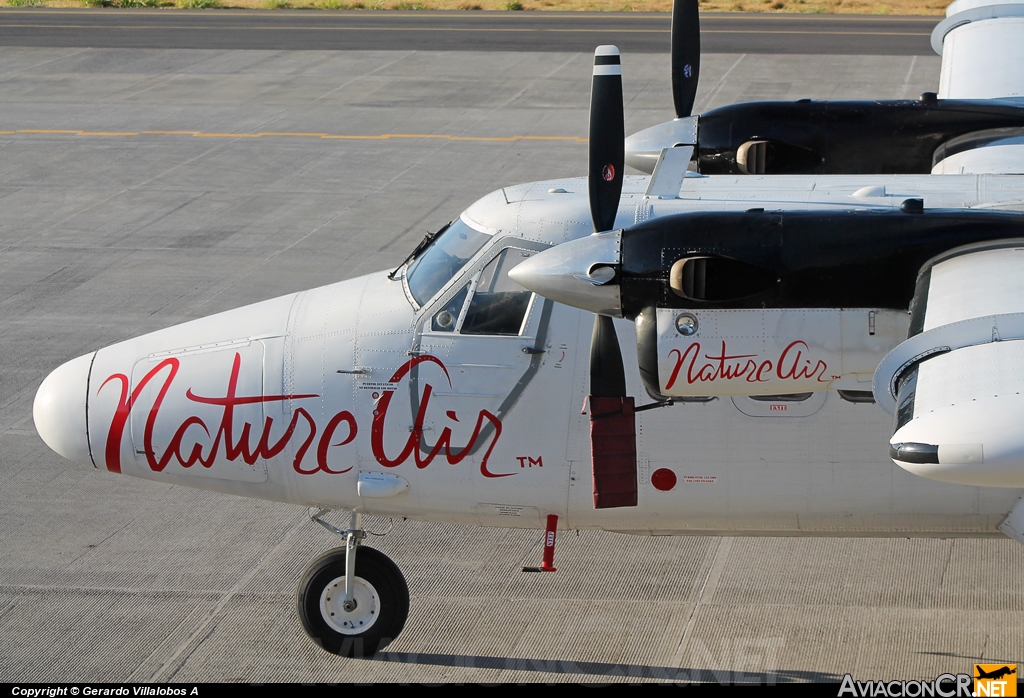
(363, 625)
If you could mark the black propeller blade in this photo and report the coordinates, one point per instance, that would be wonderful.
(607, 376)
(612, 419)
(685, 55)
(607, 138)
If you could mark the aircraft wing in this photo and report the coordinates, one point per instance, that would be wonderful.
(956, 387)
(982, 58)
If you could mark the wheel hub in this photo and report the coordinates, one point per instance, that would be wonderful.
(352, 617)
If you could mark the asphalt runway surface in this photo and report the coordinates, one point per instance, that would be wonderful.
(461, 31)
(140, 188)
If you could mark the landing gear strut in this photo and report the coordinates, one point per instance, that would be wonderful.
(353, 601)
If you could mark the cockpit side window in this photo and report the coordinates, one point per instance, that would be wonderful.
(443, 259)
(499, 304)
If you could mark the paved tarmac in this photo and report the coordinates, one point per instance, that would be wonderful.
(461, 31)
(133, 198)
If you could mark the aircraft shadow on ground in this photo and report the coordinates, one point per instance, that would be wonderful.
(976, 660)
(607, 669)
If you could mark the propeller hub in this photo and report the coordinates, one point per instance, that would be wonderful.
(580, 273)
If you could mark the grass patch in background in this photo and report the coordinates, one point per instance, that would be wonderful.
(885, 7)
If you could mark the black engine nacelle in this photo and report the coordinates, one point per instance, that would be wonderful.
(855, 137)
(749, 303)
(827, 137)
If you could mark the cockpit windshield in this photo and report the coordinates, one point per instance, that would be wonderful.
(446, 255)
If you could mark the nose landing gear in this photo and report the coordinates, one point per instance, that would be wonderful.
(353, 601)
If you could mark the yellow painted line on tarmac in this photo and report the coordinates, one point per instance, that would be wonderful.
(299, 134)
(286, 134)
(66, 132)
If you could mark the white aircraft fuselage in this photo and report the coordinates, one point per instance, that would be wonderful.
(820, 354)
(352, 396)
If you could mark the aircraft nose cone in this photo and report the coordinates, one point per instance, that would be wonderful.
(580, 273)
(59, 410)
